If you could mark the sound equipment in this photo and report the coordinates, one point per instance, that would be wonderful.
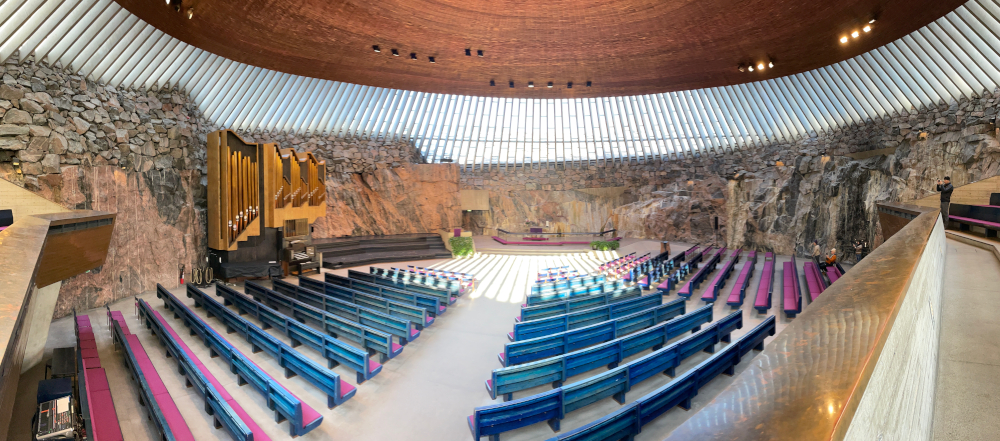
(716, 222)
(55, 419)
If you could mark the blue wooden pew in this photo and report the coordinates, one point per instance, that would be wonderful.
(699, 276)
(627, 422)
(577, 304)
(561, 343)
(336, 390)
(399, 327)
(404, 276)
(615, 383)
(445, 295)
(712, 293)
(557, 370)
(335, 351)
(215, 404)
(371, 339)
(147, 396)
(561, 323)
(569, 293)
(432, 304)
(419, 316)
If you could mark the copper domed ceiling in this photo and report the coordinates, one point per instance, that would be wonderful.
(625, 47)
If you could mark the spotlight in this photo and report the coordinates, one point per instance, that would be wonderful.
(742, 67)
(190, 13)
(760, 66)
(431, 59)
(589, 83)
(413, 55)
(569, 85)
(531, 84)
(511, 83)
(468, 52)
(550, 84)
(376, 49)
(750, 68)
(395, 53)
(493, 83)
(867, 28)
(855, 34)
(843, 39)
(479, 52)
(770, 64)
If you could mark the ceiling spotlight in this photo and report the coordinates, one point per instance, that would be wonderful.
(395, 53)
(569, 85)
(493, 83)
(176, 4)
(531, 84)
(376, 49)
(479, 52)
(855, 34)
(190, 13)
(413, 55)
(742, 67)
(750, 68)
(843, 39)
(550, 84)
(770, 64)
(511, 84)
(468, 52)
(872, 20)
(431, 59)
(867, 28)
(589, 83)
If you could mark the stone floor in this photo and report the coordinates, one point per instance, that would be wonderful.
(968, 384)
(428, 390)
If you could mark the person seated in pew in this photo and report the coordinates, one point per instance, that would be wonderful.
(831, 259)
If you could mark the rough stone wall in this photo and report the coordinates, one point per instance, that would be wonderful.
(779, 196)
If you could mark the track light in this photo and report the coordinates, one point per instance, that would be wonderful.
(589, 83)
(468, 52)
(376, 49)
(413, 55)
(569, 85)
(843, 39)
(479, 52)
(531, 84)
(550, 84)
(493, 83)
(511, 83)
(742, 67)
(431, 59)
(871, 21)
(750, 68)
(190, 13)
(395, 53)
(867, 28)
(855, 34)
(770, 64)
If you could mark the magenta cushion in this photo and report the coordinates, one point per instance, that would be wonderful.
(104, 419)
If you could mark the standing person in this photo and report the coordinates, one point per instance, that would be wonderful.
(816, 251)
(858, 249)
(945, 188)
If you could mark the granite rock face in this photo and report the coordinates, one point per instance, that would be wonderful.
(562, 210)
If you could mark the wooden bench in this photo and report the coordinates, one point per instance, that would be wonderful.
(420, 317)
(447, 296)
(627, 422)
(814, 281)
(561, 343)
(712, 293)
(576, 304)
(699, 276)
(762, 301)
(335, 351)
(738, 292)
(97, 407)
(992, 228)
(556, 370)
(791, 293)
(561, 323)
(432, 304)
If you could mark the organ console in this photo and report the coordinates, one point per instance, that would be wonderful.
(253, 186)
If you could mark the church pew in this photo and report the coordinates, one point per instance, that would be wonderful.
(421, 278)
(337, 390)
(568, 293)
(561, 343)
(93, 390)
(762, 301)
(335, 351)
(568, 283)
(371, 339)
(832, 274)
(152, 392)
(699, 276)
(419, 316)
(576, 304)
(560, 323)
(465, 284)
(738, 292)
(712, 293)
(446, 295)
(813, 283)
(791, 294)
(399, 327)
(627, 422)
(432, 304)
(286, 406)
(556, 370)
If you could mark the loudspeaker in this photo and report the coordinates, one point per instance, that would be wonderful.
(994, 198)
(716, 222)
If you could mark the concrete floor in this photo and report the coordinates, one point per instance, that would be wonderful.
(968, 384)
(427, 391)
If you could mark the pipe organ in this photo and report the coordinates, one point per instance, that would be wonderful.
(256, 186)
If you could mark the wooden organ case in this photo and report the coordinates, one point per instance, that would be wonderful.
(261, 201)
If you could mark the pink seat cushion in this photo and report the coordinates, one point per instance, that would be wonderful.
(258, 433)
(414, 333)
(194, 358)
(91, 363)
(104, 419)
(88, 353)
(96, 380)
(86, 335)
(396, 347)
(148, 371)
(373, 365)
(173, 416)
(88, 344)
(429, 321)
(442, 308)
(345, 389)
(489, 384)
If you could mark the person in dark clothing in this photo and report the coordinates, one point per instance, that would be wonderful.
(945, 188)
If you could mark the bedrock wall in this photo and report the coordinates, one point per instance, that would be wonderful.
(778, 197)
